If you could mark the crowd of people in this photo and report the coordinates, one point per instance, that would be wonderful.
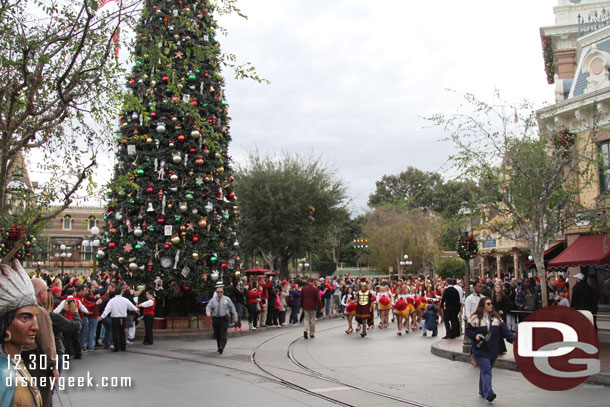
(62, 318)
(75, 315)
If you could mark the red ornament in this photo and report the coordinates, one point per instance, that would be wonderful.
(167, 245)
(153, 114)
(181, 138)
(150, 190)
(223, 265)
(231, 195)
(195, 239)
(165, 78)
(111, 245)
(160, 220)
(194, 102)
(193, 150)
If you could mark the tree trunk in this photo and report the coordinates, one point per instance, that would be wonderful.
(284, 267)
(539, 261)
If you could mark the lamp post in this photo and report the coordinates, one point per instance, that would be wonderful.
(406, 262)
(465, 211)
(94, 243)
(62, 256)
(303, 266)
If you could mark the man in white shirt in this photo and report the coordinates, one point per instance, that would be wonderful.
(117, 308)
(472, 301)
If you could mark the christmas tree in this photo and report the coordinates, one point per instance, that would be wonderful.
(172, 217)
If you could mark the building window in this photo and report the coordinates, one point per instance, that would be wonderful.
(604, 168)
(92, 222)
(87, 253)
(67, 222)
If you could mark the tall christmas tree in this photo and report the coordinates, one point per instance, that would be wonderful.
(172, 215)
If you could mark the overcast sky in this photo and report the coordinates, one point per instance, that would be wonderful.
(351, 80)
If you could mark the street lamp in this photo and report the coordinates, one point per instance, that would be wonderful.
(406, 262)
(62, 256)
(303, 265)
(94, 243)
(467, 342)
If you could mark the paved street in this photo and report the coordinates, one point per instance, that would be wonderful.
(332, 369)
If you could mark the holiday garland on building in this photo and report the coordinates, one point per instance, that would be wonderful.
(172, 217)
(467, 247)
(563, 141)
(547, 52)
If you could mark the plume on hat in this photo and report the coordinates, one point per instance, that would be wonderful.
(16, 289)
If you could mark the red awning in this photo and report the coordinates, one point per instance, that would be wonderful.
(549, 254)
(585, 251)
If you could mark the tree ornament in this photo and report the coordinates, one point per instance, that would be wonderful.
(101, 254)
(183, 207)
(195, 134)
(195, 255)
(215, 275)
(175, 239)
(176, 158)
(161, 128)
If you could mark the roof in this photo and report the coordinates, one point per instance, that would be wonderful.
(587, 250)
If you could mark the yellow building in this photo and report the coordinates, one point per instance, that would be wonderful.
(577, 59)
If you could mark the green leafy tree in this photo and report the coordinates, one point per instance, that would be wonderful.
(172, 216)
(530, 183)
(393, 230)
(57, 98)
(287, 204)
(451, 267)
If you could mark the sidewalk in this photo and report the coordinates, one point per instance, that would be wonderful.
(452, 349)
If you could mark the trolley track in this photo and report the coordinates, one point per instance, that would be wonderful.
(272, 373)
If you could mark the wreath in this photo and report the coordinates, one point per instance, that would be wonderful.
(467, 247)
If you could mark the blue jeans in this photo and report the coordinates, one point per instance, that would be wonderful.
(485, 366)
(327, 305)
(84, 332)
(107, 325)
(294, 314)
(92, 329)
(240, 310)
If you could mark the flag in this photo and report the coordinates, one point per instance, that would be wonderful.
(115, 34)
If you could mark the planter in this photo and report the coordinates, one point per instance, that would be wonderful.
(158, 323)
(205, 322)
(177, 322)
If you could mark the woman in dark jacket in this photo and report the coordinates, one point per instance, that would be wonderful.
(239, 295)
(485, 328)
(502, 305)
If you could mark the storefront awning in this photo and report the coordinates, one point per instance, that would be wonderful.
(587, 250)
(549, 254)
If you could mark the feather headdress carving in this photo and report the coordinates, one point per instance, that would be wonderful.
(16, 289)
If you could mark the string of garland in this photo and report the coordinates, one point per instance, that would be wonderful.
(547, 52)
(467, 247)
(563, 141)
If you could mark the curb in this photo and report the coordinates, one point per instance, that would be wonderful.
(602, 379)
(195, 334)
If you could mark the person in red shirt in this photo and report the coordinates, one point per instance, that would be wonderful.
(264, 304)
(253, 298)
(310, 302)
(148, 308)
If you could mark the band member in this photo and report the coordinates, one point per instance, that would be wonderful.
(384, 304)
(148, 307)
(365, 301)
(401, 312)
(349, 307)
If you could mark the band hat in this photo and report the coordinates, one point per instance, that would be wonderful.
(16, 289)
(220, 284)
(580, 276)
